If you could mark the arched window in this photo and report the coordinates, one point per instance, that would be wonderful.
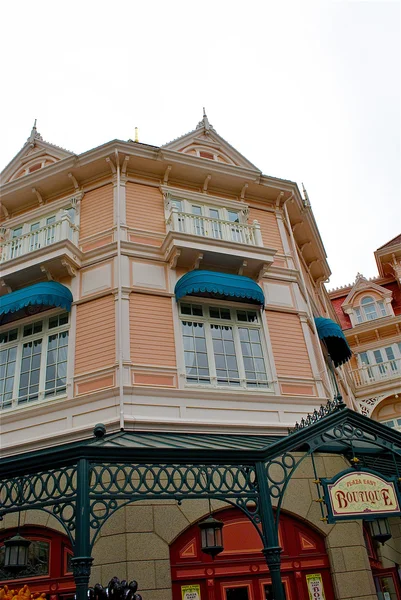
(370, 309)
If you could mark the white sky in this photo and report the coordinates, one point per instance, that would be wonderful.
(308, 91)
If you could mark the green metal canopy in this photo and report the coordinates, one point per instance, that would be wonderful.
(222, 286)
(47, 293)
(336, 343)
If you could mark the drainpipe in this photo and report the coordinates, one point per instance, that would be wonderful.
(305, 289)
(119, 300)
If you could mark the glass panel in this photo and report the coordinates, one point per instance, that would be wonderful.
(390, 356)
(237, 593)
(50, 230)
(17, 232)
(56, 368)
(29, 375)
(196, 361)
(215, 224)
(7, 371)
(236, 230)
(370, 311)
(34, 237)
(251, 346)
(224, 355)
(16, 247)
(219, 313)
(198, 224)
(386, 588)
(358, 315)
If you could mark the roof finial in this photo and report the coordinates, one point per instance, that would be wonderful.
(204, 124)
(306, 197)
(34, 134)
(136, 135)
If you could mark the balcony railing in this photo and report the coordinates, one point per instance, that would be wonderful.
(368, 374)
(215, 228)
(40, 238)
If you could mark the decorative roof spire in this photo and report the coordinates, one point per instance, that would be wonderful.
(306, 197)
(204, 124)
(34, 134)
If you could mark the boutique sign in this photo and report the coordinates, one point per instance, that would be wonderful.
(354, 494)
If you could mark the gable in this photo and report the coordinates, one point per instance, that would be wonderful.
(362, 287)
(34, 155)
(205, 143)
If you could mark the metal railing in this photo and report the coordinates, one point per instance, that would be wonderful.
(215, 228)
(368, 374)
(40, 238)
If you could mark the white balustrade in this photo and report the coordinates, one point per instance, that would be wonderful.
(40, 238)
(217, 229)
(368, 374)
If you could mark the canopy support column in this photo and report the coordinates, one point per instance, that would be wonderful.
(272, 550)
(82, 561)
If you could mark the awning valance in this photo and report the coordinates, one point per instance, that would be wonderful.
(337, 346)
(222, 286)
(47, 293)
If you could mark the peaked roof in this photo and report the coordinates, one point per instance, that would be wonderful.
(394, 242)
(205, 137)
(34, 148)
(361, 283)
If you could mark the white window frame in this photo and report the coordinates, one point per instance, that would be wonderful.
(380, 307)
(373, 371)
(207, 303)
(19, 343)
(42, 220)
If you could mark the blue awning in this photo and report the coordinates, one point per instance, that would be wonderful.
(222, 286)
(48, 293)
(337, 346)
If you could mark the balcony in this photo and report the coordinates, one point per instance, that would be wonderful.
(377, 373)
(196, 239)
(52, 249)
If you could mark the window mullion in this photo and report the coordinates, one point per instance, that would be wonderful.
(210, 354)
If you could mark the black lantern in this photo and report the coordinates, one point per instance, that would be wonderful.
(380, 530)
(211, 536)
(16, 554)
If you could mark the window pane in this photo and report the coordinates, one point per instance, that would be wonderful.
(255, 370)
(225, 359)
(196, 362)
(56, 363)
(29, 376)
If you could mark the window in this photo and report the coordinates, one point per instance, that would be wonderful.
(381, 363)
(223, 346)
(33, 361)
(210, 221)
(42, 232)
(370, 310)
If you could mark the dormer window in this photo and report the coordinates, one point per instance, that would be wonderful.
(370, 309)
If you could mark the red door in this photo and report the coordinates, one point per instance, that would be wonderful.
(240, 572)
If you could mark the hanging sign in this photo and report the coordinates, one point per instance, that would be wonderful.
(359, 495)
(190, 592)
(315, 587)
